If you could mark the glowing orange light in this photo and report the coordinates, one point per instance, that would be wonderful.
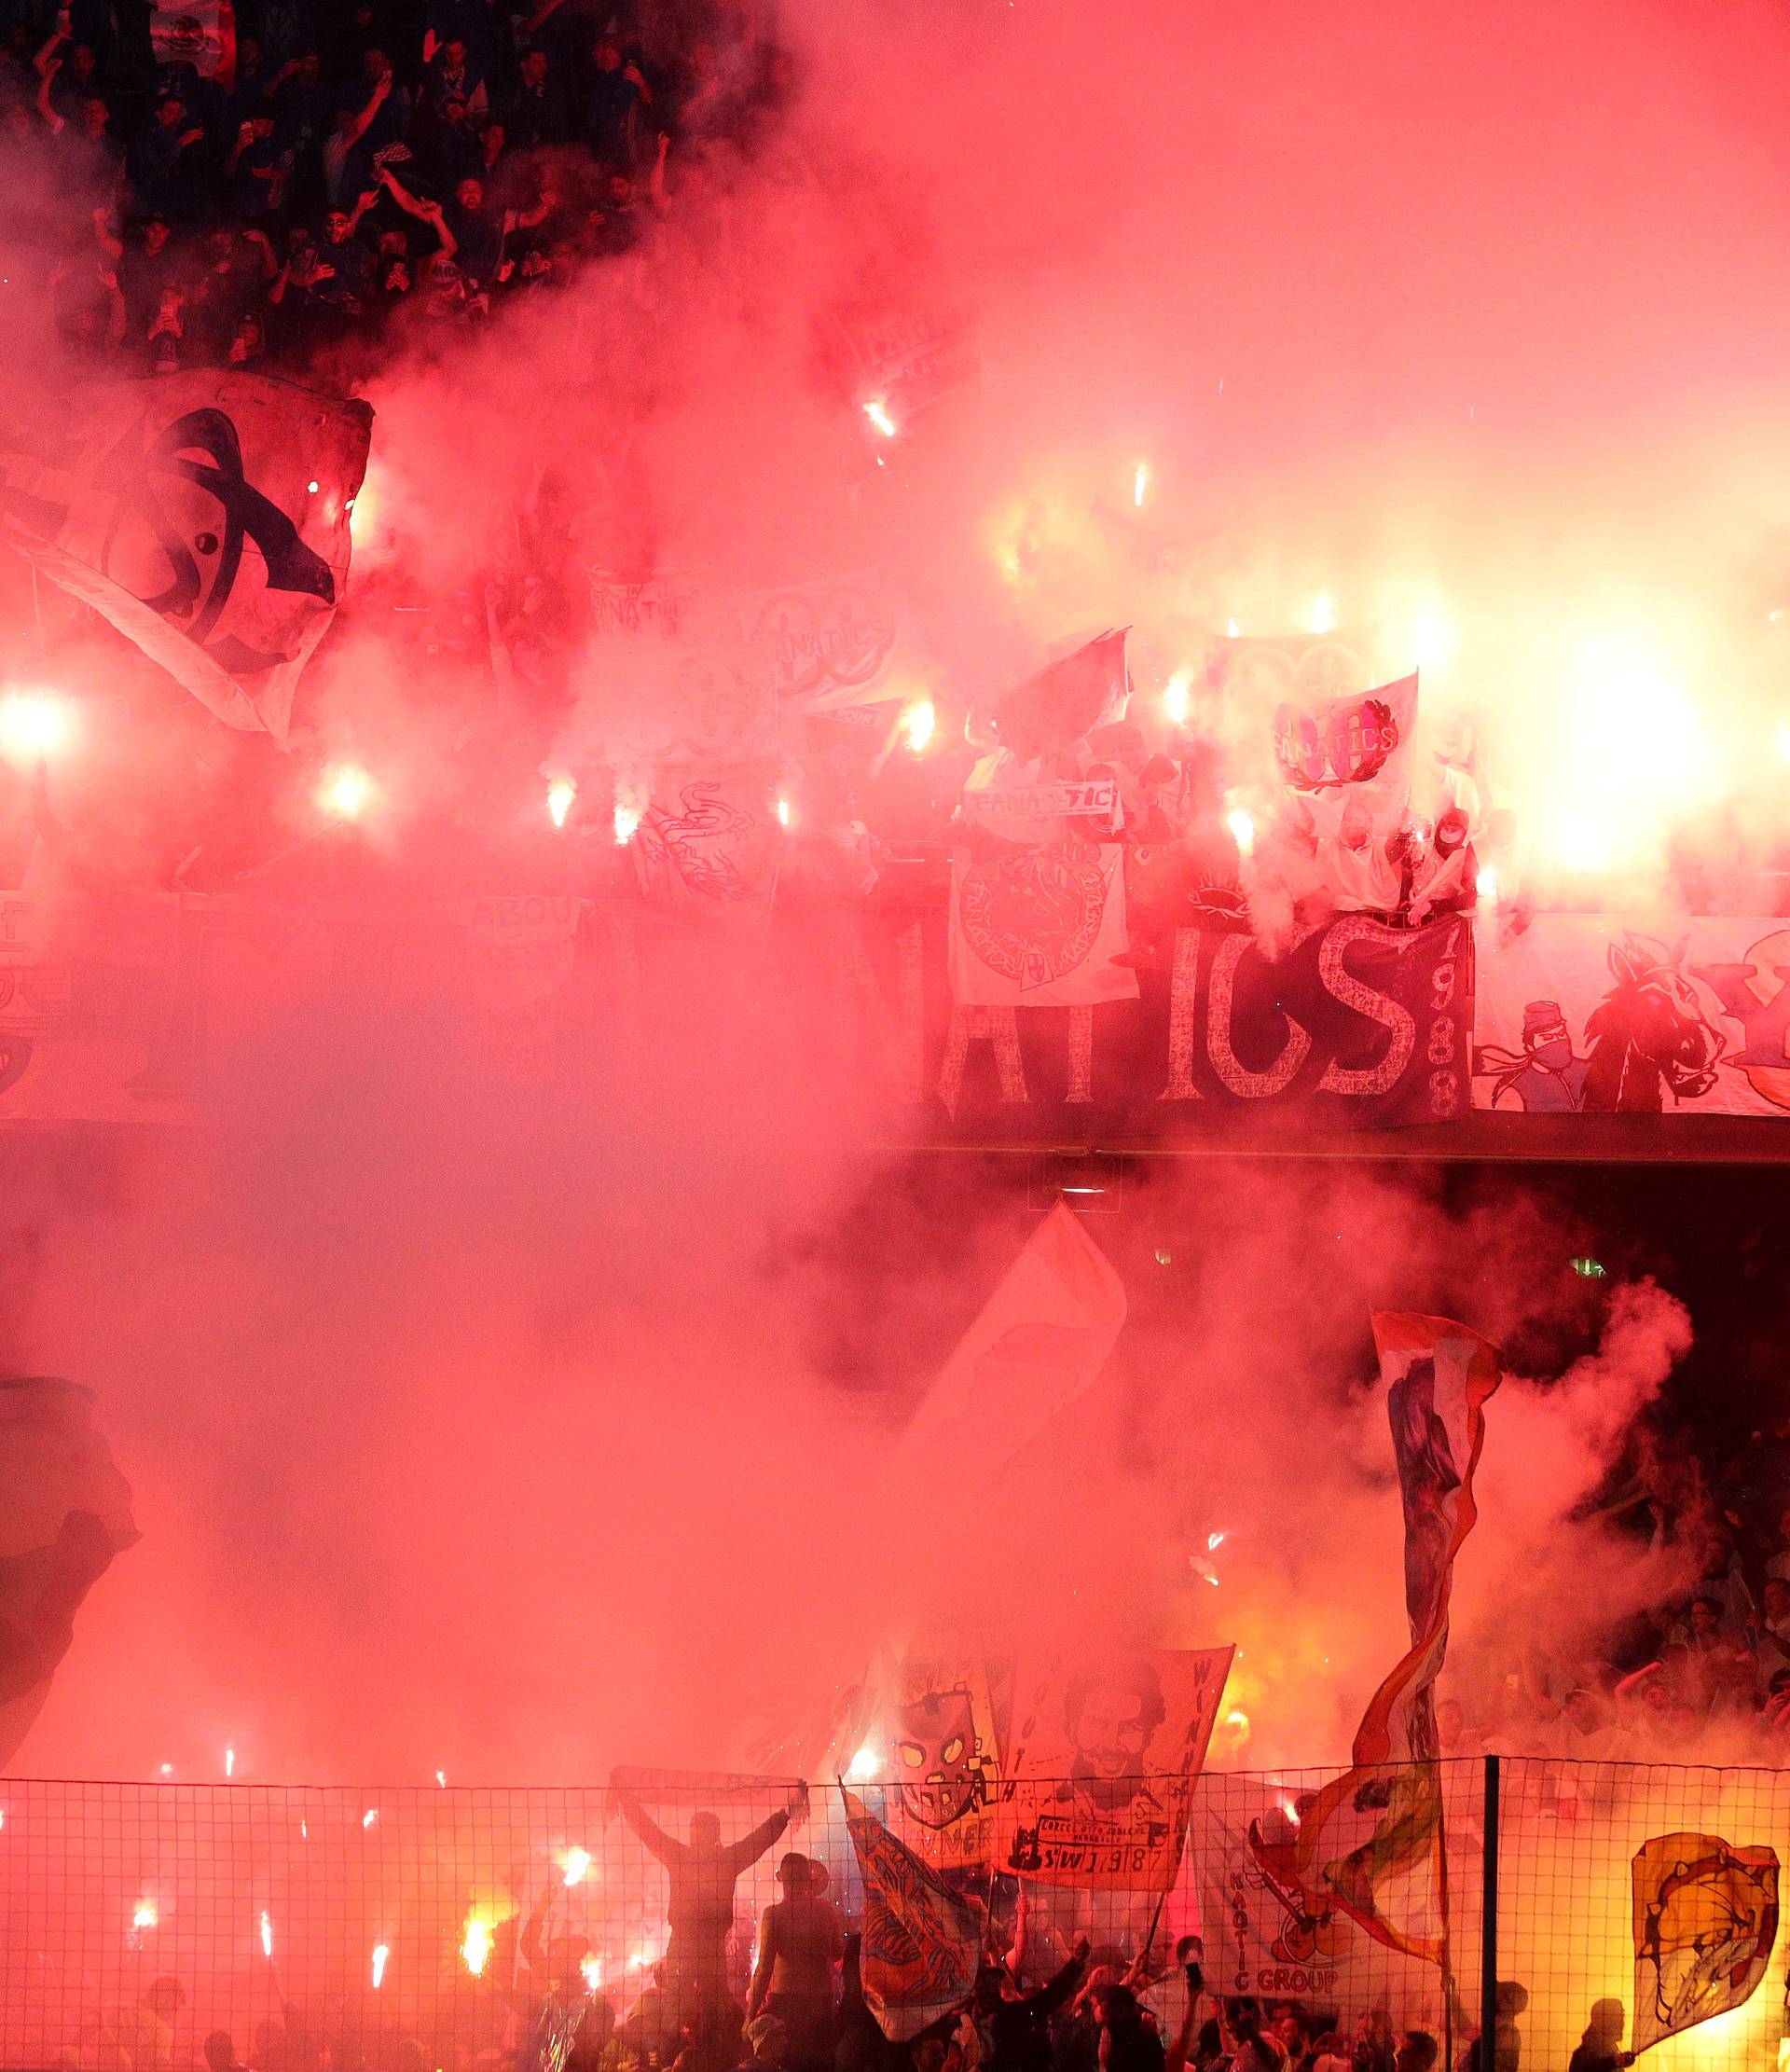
(1141, 482)
(370, 1816)
(35, 725)
(577, 1864)
(876, 410)
(145, 1914)
(867, 1763)
(1431, 643)
(1214, 1541)
(1323, 613)
(1237, 1721)
(1243, 829)
(382, 1953)
(1290, 1810)
(266, 1935)
(591, 1971)
(311, 488)
(783, 812)
(475, 1945)
(627, 818)
(229, 1763)
(441, 1778)
(1233, 628)
(919, 722)
(560, 793)
(1584, 842)
(1486, 884)
(346, 792)
(1178, 698)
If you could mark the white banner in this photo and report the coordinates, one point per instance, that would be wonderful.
(1619, 1015)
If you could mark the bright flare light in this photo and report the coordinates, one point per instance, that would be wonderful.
(346, 792)
(1214, 1541)
(34, 725)
(144, 1916)
(1178, 698)
(475, 1945)
(266, 1935)
(560, 793)
(1486, 885)
(876, 410)
(1584, 842)
(590, 1969)
(1323, 613)
(919, 723)
(1141, 482)
(381, 1952)
(627, 818)
(370, 1816)
(782, 812)
(867, 1763)
(577, 1866)
(1431, 643)
(1243, 829)
(441, 1778)
(229, 1763)
(1233, 630)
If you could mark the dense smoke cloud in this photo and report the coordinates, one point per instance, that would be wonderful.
(476, 1435)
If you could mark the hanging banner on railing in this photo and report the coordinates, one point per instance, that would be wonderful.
(1101, 1764)
(1705, 1919)
(1588, 1014)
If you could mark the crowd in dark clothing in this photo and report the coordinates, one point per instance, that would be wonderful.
(343, 166)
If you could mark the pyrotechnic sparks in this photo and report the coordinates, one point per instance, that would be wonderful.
(577, 1866)
(145, 1914)
(1214, 1541)
(35, 725)
(267, 1934)
(1178, 698)
(867, 1765)
(381, 1955)
(560, 793)
(476, 1944)
(590, 1969)
(876, 410)
(918, 722)
(627, 818)
(1243, 829)
(1139, 485)
(1323, 613)
(346, 792)
(370, 1816)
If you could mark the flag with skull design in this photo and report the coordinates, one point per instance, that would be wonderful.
(205, 515)
(941, 1757)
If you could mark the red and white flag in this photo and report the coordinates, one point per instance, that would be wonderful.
(205, 515)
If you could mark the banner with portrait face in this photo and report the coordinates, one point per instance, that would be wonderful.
(1705, 1919)
(1101, 1761)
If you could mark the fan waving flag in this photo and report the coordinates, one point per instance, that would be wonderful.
(1705, 1918)
(922, 1941)
(1440, 1377)
(205, 515)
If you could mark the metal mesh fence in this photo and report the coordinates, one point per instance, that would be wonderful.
(402, 1930)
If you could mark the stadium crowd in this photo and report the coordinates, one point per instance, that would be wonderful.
(340, 168)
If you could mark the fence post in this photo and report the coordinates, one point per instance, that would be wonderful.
(1489, 1925)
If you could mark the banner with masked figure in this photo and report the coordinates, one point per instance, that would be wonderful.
(1101, 1764)
(64, 1513)
(941, 1755)
(1392, 1878)
(922, 1941)
(199, 33)
(205, 515)
(1705, 1921)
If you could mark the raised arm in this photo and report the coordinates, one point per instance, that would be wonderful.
(41, 63)
(44, 108)
(375, 101)
(667, 1847)
(749, 1847)
(1050, 1996)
